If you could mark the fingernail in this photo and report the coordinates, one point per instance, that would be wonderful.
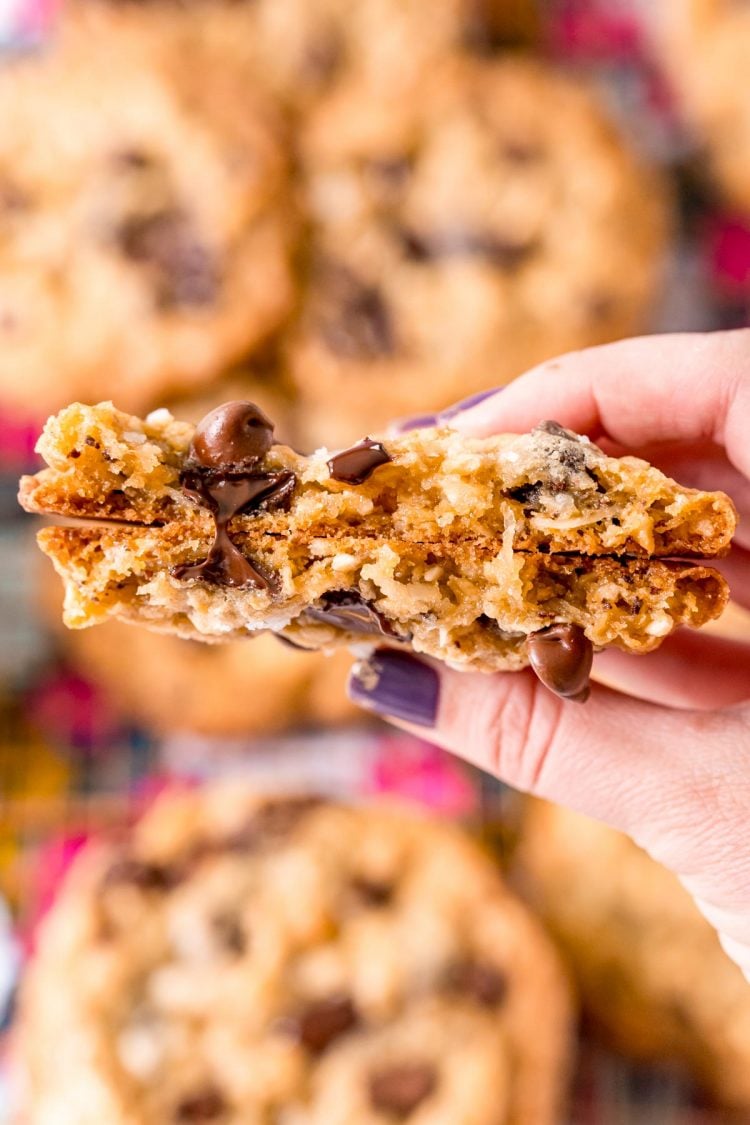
(396, 685)
(418, 422)
(467, 403)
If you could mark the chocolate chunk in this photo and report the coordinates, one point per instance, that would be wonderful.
(356, 464)
(398, 1090)
(236, 434)
(561, 656)
(12, 198)
(206, 1105)
(134, 159)
(504, 254)
(185, 270)
(373, 892)
(481, 982)
(391, 173)
(554, 428)
(357, 323)
(521, 152)
(348, 611)
(144, 876)
(230, 932)
(273, 821)
(318, 1025)
(527, 494)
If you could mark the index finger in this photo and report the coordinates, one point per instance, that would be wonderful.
(682, 387)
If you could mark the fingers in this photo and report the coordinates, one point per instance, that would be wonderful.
(736, 569)
(676, 781)
(684, 387)
(690, 670)
(613, 757)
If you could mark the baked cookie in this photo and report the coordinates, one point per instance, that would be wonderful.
(144, 229)
(462, 236)
(300, 49)
(652, 972)
(706, 52)
(488, 553)
(246, 960)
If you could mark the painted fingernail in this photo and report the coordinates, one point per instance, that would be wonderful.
(418, 422)
(396, 685)
(467, 403)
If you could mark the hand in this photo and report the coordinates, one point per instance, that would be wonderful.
(663, 751)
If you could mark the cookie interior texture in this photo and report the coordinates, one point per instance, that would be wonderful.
(460, 547)
(652, 973)
(245, 959)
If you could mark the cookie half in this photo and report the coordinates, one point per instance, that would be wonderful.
(465, 549)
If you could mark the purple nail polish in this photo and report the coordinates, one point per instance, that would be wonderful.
(396, 684)
(467, 403)
(418, 422)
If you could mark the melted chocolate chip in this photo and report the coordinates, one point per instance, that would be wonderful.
(561, 656)
(185, 271)
(318, 1025)
(398, 1090)
(226, 497)
(237, 434)
(144, 876)
(356, 464)
(357, 323)
(227, 447)
(206, 1105)
(346, 610)
(273, 821)
(481, 982)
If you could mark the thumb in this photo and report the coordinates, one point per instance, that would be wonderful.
(677, 781)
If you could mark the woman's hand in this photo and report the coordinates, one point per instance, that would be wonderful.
(663, 751)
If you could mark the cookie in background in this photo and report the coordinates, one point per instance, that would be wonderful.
(247, 958)
(653, 977)
(301, 49)
(458, 238)
(704, 46)
(256, 686)
(145, 219)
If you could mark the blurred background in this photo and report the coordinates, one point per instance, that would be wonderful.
(350, 211)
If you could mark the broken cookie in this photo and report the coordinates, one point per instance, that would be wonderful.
(489, 553)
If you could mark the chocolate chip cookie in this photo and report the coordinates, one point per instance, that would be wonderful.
(244, 959)
(144, 237)
(652, 972)
(489, 553)
(461, 236)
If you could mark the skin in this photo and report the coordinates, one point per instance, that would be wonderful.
(662, 752)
